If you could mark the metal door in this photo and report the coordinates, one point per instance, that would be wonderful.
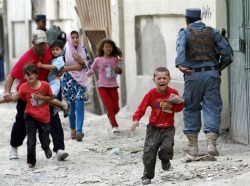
(239, 37)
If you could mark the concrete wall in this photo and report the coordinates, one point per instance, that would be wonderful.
(151, 29)
(221, 22)
(18, 30)
(118, 36)
(21, 22)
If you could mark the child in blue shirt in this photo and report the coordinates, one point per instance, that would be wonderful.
(54, 80)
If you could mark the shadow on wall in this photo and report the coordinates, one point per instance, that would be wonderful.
(150, 46)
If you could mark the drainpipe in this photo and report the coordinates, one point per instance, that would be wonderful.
(5, 38)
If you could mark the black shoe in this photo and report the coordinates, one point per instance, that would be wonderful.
(48, 153)
(145, 180)
(165, 164)
(79, 136)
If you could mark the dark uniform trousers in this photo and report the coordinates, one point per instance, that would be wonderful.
(159, 141)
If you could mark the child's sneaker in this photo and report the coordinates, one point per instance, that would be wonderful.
(145, 180)
(61, 155)
(48, 153)
(79, 136)
(13, 153)
(115, 130)
(165, 164)
(30, 165)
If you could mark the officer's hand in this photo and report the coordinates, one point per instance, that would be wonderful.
(186, 71)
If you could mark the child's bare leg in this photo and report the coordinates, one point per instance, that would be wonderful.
(57, 103)
(60, 105)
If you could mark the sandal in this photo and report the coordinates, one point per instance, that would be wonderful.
(65, 113)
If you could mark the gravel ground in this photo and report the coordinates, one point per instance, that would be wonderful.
(91, 162)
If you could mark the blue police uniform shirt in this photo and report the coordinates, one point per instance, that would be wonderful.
(183, 38)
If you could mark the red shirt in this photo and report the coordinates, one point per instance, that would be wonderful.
(158, 118)
(31, 57)
(38, 109)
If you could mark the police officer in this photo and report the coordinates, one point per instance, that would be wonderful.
(40, 20)
(195, 59)
(54, 32)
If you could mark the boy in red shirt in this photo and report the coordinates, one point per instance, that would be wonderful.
(37, 94)
(160, 130)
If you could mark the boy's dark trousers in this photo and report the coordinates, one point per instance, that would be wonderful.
(32, 126)
(156, 139)
(18, 132)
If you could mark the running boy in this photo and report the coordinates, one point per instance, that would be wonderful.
(37, 94)
(56, 47)
(160, 130)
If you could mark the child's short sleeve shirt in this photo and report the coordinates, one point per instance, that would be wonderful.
(38, 109)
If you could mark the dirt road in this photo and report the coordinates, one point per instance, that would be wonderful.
(91, 163)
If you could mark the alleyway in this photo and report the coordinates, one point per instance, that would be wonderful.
(90, 161)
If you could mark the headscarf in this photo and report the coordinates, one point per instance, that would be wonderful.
(80, 76)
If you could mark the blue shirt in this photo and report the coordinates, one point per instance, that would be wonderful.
(182, 41)
(58, 63)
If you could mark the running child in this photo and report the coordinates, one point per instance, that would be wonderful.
(75, 82)
(160, 130)
(37, 94)
(108, 66)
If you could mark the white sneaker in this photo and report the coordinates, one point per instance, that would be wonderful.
(61, 155)
(115, 130)
(13, 153)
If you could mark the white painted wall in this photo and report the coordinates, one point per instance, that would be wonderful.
(21, 24)
(18, 30)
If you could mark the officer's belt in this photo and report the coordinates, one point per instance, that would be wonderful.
(203, 69)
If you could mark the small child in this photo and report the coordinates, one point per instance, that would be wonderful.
(160, 130)
(56, 47)
(37, 94)
(108, 66)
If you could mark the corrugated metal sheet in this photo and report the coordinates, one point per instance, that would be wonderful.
(95, 18)
(239, 75)
(247, 39)
(95, 36)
